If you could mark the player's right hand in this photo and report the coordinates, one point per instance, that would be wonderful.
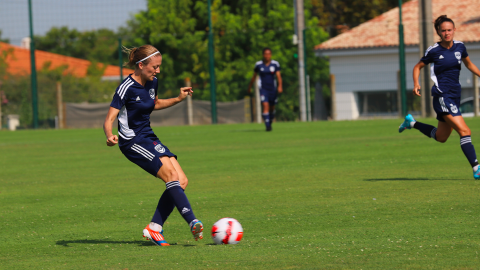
(416, 90)
(112, 140)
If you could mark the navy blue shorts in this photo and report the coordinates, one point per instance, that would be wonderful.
(146, 153)
(445, 105)
(269, 96)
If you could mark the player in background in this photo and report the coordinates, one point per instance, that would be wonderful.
(270, 84)
(445, 58)
(134, 100)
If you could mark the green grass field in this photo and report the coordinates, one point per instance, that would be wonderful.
(339, 195)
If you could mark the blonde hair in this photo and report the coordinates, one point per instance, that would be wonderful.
(136, 54)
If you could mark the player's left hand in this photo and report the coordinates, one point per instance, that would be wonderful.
(184, 92)
(280, 89)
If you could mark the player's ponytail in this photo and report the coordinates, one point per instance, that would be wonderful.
(441, 19)
(140, 54)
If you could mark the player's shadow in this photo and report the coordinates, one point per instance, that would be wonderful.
(408, 179)
(66, 243)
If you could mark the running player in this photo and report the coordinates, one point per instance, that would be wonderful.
(133, 102)
(445, 58)
(269, 72)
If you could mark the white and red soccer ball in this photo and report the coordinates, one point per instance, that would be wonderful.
(227, 231)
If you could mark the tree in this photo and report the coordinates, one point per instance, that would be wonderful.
(96, 45)
(241, 28)
(6, 40)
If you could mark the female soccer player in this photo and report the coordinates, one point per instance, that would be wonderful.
(132, 104)
(445, 58)
(268, 70)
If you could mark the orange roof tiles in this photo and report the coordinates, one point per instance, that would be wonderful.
(382, 31)
(19, 62)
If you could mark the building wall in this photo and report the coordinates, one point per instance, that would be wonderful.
(370, 70)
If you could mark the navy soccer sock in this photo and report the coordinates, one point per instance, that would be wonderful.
(428, 130)
(271, 116)
(180, 200)
(266, 118)
(469, 150)
(164, 208)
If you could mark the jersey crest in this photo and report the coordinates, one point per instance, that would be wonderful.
(458, 55)
(152, 93)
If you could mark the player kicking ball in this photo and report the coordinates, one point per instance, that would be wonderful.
(132, 104)
(446, 59)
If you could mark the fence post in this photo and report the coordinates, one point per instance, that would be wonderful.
(247, 110)
(188, 83)
(258, 107)
(309, 103)
(60, 106)
(333, 96)
(399, 95)
(475, 94)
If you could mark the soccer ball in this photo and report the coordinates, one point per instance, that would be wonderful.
(227, 231)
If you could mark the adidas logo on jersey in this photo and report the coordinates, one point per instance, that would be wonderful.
(138, 98)
(441, 57)
(185, 210)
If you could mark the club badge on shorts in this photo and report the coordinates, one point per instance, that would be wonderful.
(453, 108)
(152, 93)
(159, 147)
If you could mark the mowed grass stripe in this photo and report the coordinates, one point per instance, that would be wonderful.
(344, 195)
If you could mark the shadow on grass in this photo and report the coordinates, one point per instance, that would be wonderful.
(409, 179)
(66, 243)
(248, 130)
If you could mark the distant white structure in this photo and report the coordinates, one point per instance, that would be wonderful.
(26, 43)
(13, 121)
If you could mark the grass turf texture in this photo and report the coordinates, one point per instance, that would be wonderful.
(345, 195)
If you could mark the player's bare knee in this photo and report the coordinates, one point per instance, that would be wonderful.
(184, 182)
(442, 140)
(168, 176)
(464, 132)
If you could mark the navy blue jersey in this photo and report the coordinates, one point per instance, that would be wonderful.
(445, 66)
(267, 74)
(136, 103)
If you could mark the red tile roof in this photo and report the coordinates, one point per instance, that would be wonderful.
(19, 62)
(382, 31)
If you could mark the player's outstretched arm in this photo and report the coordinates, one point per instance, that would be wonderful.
(165, 103)
(249, 90)
(107, 126)
(416, 73)
(471, 66)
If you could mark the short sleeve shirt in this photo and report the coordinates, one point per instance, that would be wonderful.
(267, 74)
(445, 66)
(135, 102)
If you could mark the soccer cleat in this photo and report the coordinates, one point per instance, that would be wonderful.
(407, 123)
(476, 174)
(269, 128)
(155, 237)
(197, 229)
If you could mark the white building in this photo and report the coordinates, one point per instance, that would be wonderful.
(365, 59)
